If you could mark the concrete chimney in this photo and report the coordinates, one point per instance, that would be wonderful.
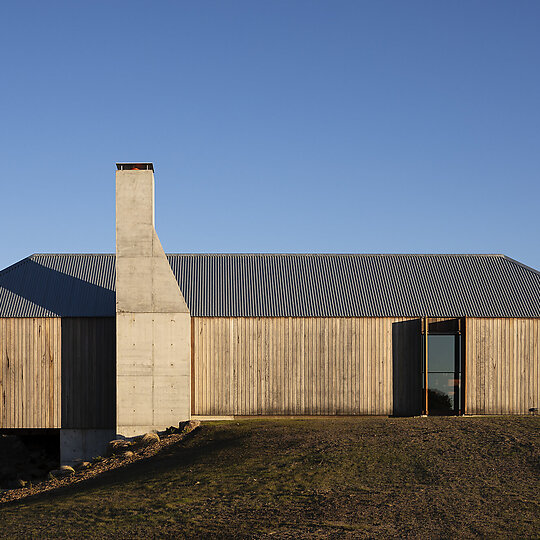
(153, 326)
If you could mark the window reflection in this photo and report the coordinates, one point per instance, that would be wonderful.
(444, 374)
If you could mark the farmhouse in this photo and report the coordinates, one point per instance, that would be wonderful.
(100, 346)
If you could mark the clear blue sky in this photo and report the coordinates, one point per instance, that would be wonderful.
(274, 126)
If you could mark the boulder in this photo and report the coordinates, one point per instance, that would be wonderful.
(186, 427)
(63, 472)
(118, 446)
(193, 424)
(149, 439)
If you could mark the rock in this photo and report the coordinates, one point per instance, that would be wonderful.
(150, 439)
(169, 431)
(118, 446)
(63, 472)
(83, 465)
(128, 454)
(186, 427)
(20, 483)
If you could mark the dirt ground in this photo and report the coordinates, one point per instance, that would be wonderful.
(440, 477)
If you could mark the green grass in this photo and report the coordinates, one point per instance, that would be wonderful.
(343, 477)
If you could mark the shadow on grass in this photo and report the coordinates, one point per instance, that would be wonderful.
(185, 453)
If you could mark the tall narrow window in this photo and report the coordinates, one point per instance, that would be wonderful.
(444, 374)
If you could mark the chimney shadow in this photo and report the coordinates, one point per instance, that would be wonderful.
(407, 367)
(32, 289)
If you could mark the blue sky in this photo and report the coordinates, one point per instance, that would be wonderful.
(275, 126)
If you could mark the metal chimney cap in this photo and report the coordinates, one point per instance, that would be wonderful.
(135, 166)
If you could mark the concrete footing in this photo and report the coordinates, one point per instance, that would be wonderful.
(83, 444)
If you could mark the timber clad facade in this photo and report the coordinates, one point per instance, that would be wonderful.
(503, 374)
(296, 366)
(276, 335)
(30, 372)
(88, 374)
(39, 391)
(353, 366)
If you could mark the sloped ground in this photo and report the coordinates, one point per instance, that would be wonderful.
(118, 456)
(344, 477)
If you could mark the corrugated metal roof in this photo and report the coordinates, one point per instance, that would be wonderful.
(261, 285)
(59, 285)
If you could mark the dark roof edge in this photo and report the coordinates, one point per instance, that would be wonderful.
(530, 269)
(15, 265)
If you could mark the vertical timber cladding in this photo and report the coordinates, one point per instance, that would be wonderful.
(503, 361)
(30, 367)
(253, 366)
(89, 373)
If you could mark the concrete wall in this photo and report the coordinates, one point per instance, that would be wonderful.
(152, 319)
(83, 444)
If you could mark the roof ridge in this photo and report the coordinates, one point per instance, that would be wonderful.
(287, 254)
(498, 255)
(69, 255)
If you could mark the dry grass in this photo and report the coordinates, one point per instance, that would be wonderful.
(344, 477)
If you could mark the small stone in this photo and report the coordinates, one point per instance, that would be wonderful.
(190, 426)
(63, 472)
(128, 454)
(118, 446)
(83, 465)
(150, 439)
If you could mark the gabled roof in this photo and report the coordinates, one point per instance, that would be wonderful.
(261, 285)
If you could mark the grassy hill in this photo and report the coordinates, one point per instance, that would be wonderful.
(341, 477)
